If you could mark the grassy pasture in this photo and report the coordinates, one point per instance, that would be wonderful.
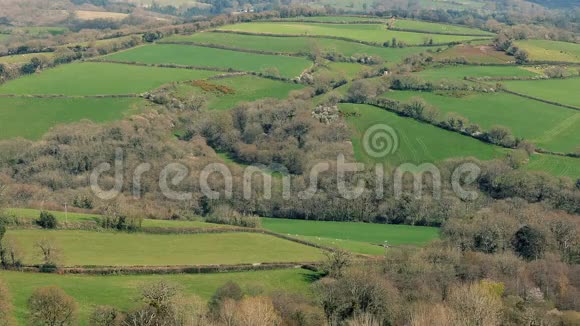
(475, 54)
(427, 27)
(335, 19)
(211, 57)
(556, 90)
(140, 249)
(355, 236)
(365, 32)
(459, 72)
(247, 89)
(32, 117)
(548, 126)
(98, 78)
(417, 142)
(121, 291)
(556, 165)
(295, 44)
(544, 50)
(88, 15)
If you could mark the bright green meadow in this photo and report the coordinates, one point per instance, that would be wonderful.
(417, 25)
(210, 57)
(563, 91)
(32, 117)
(141, 249)
(459, 72)
(99, 78)
(545, 50)
(548, 126)
(417, 142)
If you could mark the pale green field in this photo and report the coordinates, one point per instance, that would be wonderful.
(427, 27)
(210, 57)
(563, 91)
(548, 126)
(296, 45)
(98, 78)
(247, 89)
(544, 50)
(459, 72)
(86, 248)
(122, 291)
(365, 32)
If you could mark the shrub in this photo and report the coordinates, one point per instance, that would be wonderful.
(47, 220)
(224, 214)
(51, 306)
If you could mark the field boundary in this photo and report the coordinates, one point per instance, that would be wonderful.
(218, 69)
(183, 269)
(542, 100)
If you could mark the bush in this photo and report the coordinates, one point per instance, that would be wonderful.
(47, 220)
(224, 214)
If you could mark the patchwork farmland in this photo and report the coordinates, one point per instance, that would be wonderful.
(294, 92)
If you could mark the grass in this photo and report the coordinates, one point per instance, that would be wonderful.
(548, 126)
(427, 27)
(247, 89)
(555, 165)
(459, 72)
(296, 44)
(24, 58)
(122, 291)
(482, 53)
(88, 15)
(375, 33)
(97, 78)
(335, 19)
(210, 57)
(417, 142)
(556, 90)
(354, 231)
(32, 117)
(63, 217)
(544, 50)
(140, 249)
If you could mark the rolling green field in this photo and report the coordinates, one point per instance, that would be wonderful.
(459, 72)
(557, 90)
(544, 50)
(210, 57)
(32, 117)
(358, 237)
(98, 78)
(122, 291)
(138, 249)
(561, 166)
(417, 142)
(335, 19)
(247, 88)
(365, 32)
(548, 126)
(427, 27)
(295, 44)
